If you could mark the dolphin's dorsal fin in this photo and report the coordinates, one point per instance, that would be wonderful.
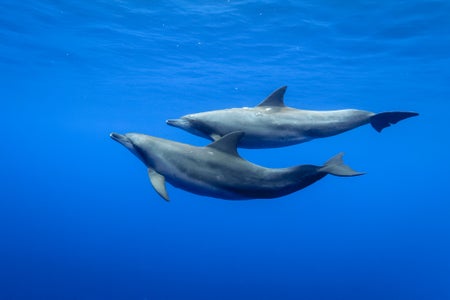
(275, 99)
(158, 182)
(228, 143)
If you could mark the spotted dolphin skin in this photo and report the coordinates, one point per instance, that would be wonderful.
(272, 124)
(217, 170)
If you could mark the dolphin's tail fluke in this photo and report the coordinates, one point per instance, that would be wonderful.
(385, 119)
(336, 166)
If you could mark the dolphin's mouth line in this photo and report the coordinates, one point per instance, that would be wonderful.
(122, 139)
(175, 122)
(115, 136)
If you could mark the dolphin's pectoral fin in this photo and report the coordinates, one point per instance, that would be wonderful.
(158, 182)
(215, 136)
(228, 143)
(385, 119)
(275, 99)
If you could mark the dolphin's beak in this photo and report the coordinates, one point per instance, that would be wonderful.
(118, 137)
(181, 123)
(122, 139)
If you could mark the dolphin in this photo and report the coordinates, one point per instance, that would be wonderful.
(217, 170)
(272, 124)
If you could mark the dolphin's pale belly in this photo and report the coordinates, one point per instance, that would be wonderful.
(278, 127)
(212, 174)
(213, 183)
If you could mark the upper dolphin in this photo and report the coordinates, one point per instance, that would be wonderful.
(217, 170)
(272, 124)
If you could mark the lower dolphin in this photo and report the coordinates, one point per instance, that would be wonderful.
(273, 124)
(217, 170)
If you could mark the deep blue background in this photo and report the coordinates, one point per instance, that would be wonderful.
(79, 219)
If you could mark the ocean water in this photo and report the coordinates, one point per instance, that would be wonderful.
(79, 219)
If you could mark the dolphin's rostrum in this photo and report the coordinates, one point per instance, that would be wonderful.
(273, 124)
(217, 170)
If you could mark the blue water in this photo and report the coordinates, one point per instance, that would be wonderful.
(79, 219)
